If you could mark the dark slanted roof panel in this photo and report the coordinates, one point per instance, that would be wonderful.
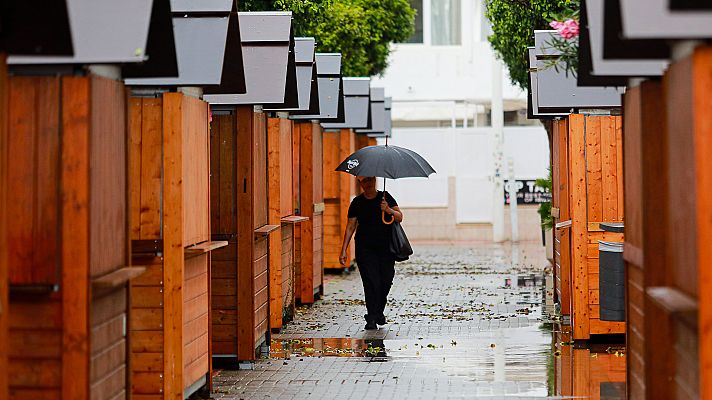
(26, 29)
(653, 19)
(591, 45)
(267, 55)
(103, 32)
(357, 107)
(305, 75)
(378, 112)
(200, 45)
(330, 90)
(161, 48)
(615, 46)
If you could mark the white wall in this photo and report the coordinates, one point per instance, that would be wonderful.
(466, 155)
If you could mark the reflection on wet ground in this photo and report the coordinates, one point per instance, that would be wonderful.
(464, 322)
(591, 371)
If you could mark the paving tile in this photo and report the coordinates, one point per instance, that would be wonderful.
(452, 321)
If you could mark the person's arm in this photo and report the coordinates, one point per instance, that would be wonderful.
(350, 229)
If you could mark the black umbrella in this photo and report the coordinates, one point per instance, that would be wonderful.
(386, 162)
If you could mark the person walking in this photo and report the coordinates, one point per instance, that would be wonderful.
(373, 258)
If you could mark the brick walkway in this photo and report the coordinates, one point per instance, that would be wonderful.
(457, 332)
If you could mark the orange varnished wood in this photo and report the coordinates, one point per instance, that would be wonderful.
(170, 302)
(560, 200)
(4, 289)
(591, 174)
(703, 178)
(274, 181)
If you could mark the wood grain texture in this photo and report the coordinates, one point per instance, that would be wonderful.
(703, 181)
(108, 212)
(33, 117)
(196, 170)
(274, 180)
(286, 127)
(75, 175)
(5, 344)
(579, 237)
(245, 232)
(173, 243)
(150, 210)
(259, 171)
(307, 174)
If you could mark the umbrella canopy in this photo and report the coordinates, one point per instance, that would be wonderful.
(391, 162)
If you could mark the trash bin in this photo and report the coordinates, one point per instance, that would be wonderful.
(611, 281)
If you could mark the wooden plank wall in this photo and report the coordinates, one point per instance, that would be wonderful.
(310, 271)
(318, 219)
(66, 344)
(686, 87)
(305, 258)
(35, 327)
(108, 247)
(261, 205)
(287, 283)
(196, 147)
(339, 188)
(4, 287)
(223, 137)
(169, 202)
(252, 206)
(596, 173)
(562, 236)
(634, 241)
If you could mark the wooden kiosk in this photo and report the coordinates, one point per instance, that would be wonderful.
(239, 169)
(308, 179)
(170, 210)
(55, 40)
(63, 237)
(339, 189)
(668, 202)
(587, 171)
(282, 208)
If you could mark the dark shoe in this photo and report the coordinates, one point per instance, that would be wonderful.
(371, 325)
(381, 320)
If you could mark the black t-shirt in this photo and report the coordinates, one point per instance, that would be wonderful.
(371, 234)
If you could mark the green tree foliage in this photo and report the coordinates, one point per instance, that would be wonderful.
(513, 24)
(361, 30)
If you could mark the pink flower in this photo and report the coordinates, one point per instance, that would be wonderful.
(573, 28)
(556, 25)
(568, 29)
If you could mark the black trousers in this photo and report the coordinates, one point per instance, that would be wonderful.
(377, 271)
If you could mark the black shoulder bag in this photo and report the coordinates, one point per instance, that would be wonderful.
(399, 246)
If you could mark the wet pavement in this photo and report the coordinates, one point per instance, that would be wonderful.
(464, 322)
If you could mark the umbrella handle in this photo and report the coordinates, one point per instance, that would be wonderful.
(383, 218)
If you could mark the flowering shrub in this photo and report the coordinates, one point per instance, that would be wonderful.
(566, 45)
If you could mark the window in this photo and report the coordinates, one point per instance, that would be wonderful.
(417, 36)
(445, 20)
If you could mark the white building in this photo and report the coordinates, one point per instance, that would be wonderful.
(441, 83)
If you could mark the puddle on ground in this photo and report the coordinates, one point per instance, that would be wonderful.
(536, 360)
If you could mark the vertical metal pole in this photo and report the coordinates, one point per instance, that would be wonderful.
(497, 116)
(512, 188)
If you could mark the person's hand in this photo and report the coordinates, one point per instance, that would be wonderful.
(342, 259)
(385, 208)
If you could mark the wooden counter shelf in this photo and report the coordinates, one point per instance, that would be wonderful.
(265, 230)
(294, 219)
(202, 248)
(118, 277)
